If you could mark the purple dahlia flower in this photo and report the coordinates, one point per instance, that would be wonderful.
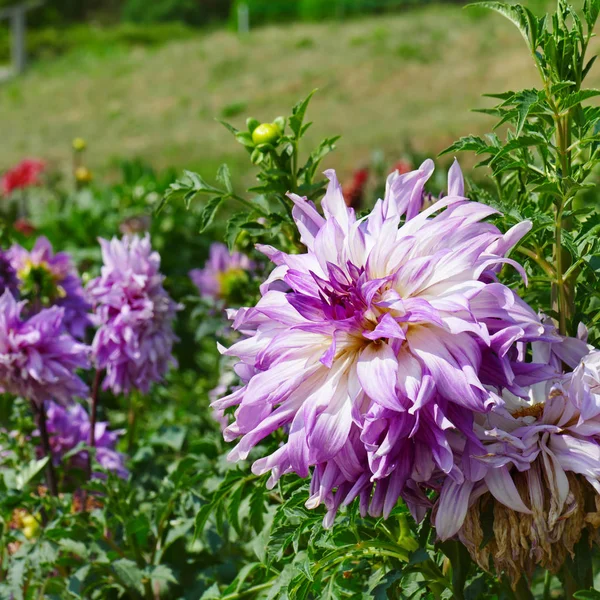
(8, 276)
(222, 271)
(37, 359)
(134, 315)
(372, 356)
(49, 279)
(70, 426)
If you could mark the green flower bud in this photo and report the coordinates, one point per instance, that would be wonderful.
(266, 133)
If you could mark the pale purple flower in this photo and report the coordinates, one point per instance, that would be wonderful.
(378, 343)
(220, 271)
(60, 274)
(8, 276)
(134, 315)
(554, 431)
(70, 426)
(38, 361)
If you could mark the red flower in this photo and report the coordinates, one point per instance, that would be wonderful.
(402, 166)
(25, 174)
(24, 226)
(354, 191)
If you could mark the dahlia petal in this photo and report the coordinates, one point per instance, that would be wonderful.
(452, 508)
(503, 488)
(377, 370)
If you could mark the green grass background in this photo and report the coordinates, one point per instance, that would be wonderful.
(384, 82)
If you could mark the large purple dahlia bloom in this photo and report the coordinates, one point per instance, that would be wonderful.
(37, 359)
(49, 279)
(379, 342)
(134, 315)
(70, 426)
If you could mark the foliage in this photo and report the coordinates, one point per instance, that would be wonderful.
(544, 170)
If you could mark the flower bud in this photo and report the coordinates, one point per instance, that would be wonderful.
(83, 175)
(266, 133)
(79, 144)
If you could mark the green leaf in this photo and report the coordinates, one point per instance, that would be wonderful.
(587, 595)
(257, 506)
(234, 226)
(524, 101)
(470, 142)
(460, 560)
(209, 211)
(577, 97)
(162, 573)
(74, 547)
(224, 177)
(233, 506)
(129, 574)
(25, 475)
(521, 17)
(201, 518)
(298, 112)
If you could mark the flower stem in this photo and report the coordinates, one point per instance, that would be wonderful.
(523, 591)
(131, 422)
(94, 416)
(40, 414)
(547, 582)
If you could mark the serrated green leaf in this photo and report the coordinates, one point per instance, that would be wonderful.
(517, 14)
(129, 574)
(577, 97)
(25, 475)
(298, 112)
(224, 177)
(234, 226)
(208, 212)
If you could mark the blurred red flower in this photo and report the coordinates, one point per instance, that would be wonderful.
(24, 226)
(402, 166)
(354, 191)
(25, 174)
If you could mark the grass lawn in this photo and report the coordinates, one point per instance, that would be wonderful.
(384, 81)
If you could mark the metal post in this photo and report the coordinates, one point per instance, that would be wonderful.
(243, 18)
(19, 52)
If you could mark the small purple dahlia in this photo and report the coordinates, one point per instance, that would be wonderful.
(37, 359)
(48, 279)
(222, 273)
(70, 426)
(8, 276)
(134, 315)
(377, 345)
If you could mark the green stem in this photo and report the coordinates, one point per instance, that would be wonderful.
(540, 260)
(547, 582)
(249, 591)
(247, 204)
(93, 417)
(131, 422)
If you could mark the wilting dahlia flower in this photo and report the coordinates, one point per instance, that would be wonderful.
(223, 273)
(8, 276)
(37, 359)
(134, 315)
(378, 342)
(23, 175)
(538, 475)
(49, 279)
(70, 426)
